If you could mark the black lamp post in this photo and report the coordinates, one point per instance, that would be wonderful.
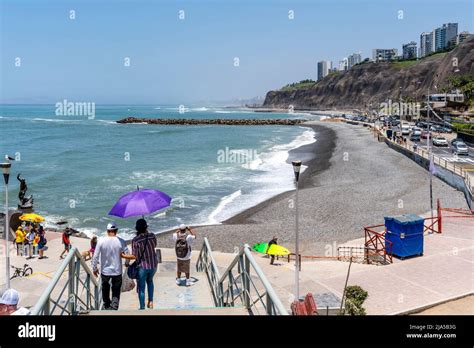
(6, 176)
(296, 169)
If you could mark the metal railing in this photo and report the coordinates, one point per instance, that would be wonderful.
(83, 290)
(236, 285)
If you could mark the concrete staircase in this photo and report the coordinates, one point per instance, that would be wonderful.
(173, 299)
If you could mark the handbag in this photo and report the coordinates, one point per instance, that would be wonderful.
(132, 270)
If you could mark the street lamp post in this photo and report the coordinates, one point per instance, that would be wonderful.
(6, 175)
(296, 169)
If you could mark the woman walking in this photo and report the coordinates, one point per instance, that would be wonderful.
(143, 249)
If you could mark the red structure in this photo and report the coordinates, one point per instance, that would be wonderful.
(306, 307)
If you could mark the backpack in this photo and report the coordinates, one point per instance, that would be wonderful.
(182, 248)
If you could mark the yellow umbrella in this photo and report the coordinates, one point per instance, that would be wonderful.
(32, 218)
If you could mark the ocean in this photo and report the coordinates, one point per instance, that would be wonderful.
(77, 167)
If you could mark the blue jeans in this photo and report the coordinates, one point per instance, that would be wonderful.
(145, 276)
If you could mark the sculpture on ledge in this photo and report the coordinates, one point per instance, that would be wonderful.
(25, 202)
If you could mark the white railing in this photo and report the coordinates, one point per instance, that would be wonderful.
(237, 286)
(83, 290)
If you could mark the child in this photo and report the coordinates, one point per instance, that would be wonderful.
(87, 255)
(35, 244)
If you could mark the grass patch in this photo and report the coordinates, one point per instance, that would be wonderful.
(298, 85)
(405, 63)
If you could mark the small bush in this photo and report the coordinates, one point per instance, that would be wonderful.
(355, 297)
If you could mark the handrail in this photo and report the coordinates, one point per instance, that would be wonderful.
(239, 285)
(73, 262)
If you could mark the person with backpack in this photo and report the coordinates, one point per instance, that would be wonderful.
(143, 250)
(183, 241)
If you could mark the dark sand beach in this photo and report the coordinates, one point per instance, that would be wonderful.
(351, 181)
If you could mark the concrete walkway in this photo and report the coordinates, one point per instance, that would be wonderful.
(446, 271)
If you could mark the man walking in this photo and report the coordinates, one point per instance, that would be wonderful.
(109, 253)
(183, 241)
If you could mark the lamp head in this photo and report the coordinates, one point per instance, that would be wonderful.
(6, 171)
(296, 169)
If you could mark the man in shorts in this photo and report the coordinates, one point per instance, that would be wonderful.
(183, 241)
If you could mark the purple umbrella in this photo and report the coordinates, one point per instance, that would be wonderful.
(139, 203)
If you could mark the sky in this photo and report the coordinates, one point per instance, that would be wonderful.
(193, 60)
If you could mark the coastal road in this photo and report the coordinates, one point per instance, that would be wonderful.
(446, 153)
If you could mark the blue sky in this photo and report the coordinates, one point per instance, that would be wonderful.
(177, 61)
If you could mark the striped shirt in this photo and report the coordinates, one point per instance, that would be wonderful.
(143, 248)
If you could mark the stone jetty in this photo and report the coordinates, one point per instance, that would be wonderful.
(217, 121)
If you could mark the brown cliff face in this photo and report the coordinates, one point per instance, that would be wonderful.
(375, 83)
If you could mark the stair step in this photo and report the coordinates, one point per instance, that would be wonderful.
(176, 311)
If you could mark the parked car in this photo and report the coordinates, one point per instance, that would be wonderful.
(440, 141)
(435, 128)
(405, 128)
(425, 134)
(459, 148)
(446, 130)
(416, 131)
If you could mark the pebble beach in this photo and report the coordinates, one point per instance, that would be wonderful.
(351, 181)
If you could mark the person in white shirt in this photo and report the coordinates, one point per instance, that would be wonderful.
(109, 253)
(183, 241)
(9, 304)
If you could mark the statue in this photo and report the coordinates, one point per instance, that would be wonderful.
(25, 202)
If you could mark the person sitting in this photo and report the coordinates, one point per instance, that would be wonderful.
(88, 254)
(9, 302)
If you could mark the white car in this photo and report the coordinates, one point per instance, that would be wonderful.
(405, 128)
(460, 148)
(416, 131)
(440, 141)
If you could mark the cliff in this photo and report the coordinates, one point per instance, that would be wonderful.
(375, 83)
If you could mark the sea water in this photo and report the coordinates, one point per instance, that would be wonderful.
(77, 167)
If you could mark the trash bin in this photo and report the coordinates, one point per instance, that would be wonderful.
(406, 234)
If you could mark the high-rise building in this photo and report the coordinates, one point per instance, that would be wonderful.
(344, 64)
(324, 67)
(426, 43)
(409, 50)
(384, 54)
(445, 36)
(462, 36)
(353, 59)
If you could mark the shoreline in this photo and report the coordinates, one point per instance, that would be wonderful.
(308, 155)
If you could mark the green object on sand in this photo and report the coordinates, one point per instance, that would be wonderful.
(274, 249)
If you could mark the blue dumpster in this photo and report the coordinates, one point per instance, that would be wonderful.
(406, 234)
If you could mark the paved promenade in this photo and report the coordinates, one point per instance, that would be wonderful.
(445, 272)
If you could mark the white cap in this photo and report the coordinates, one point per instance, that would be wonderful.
(182, 227)
(10, 297)
(111, 226)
